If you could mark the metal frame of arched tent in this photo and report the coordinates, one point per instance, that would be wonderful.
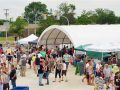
(56, 38)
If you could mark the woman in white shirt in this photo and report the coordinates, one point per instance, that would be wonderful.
(64, 71)
(3, 58)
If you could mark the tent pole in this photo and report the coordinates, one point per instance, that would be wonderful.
(28, 47)
(102, 56)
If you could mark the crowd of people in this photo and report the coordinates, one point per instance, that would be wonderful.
(102, 75)
(43, 61)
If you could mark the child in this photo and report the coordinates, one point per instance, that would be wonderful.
(111, 85)
(64, 71)
(99, 83)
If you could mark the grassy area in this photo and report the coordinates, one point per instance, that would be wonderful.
(3, 39)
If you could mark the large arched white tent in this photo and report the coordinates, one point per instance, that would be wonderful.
(80, 34)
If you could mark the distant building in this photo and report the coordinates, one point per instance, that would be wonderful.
(4, 27)
(31, 29)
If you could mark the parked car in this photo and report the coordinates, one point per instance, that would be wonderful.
(1, 50)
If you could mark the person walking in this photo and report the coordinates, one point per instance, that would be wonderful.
(40, 73)
(23, 65)
(107, 72)
(37, 63)
(29, 59)
(33, 62)
(47, 71)
(117, 80)
(9, 58)
(3, 58)
(64, 71)
(9, 50)
(18, 55)
(98, 66)
(58, 68)
(99, 83)
(6, 80)
(90, 73)
(66, 57)
(13, 76)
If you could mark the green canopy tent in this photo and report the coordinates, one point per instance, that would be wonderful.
(97, 55)
(82, 47)
(92, 54)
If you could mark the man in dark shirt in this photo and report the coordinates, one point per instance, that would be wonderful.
(117, 80)
(13, 76)
(37, 62)
(41, 72)
(18, 56)
(9, 57)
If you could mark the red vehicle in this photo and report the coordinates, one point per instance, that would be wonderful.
(1, 49)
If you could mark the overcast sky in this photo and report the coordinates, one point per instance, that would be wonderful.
(16, 7)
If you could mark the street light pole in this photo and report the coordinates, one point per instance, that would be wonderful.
(35, 23)
(58, 17)
(66, 19)
(58, 14)
(28, 24)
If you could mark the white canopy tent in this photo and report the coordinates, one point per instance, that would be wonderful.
(30, 38)
(105, 47)
(80, 34)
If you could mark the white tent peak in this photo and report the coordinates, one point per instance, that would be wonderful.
(32, 36)
(28, 39)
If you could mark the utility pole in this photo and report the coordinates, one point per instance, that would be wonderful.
(6, 15)
(35, 23)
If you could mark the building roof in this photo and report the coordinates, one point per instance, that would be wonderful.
(32, 26)
(3, 28)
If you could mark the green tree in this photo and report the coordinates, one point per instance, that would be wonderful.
(34, 11)
(64, 8)
(17, 27)
(72, 8)
(117, 20)
(67, 10)
(98, 16)
(85, 18)
(1, 22)
(46, 23)
(105, 16)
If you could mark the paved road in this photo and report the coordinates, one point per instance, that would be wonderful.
(74, 82)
